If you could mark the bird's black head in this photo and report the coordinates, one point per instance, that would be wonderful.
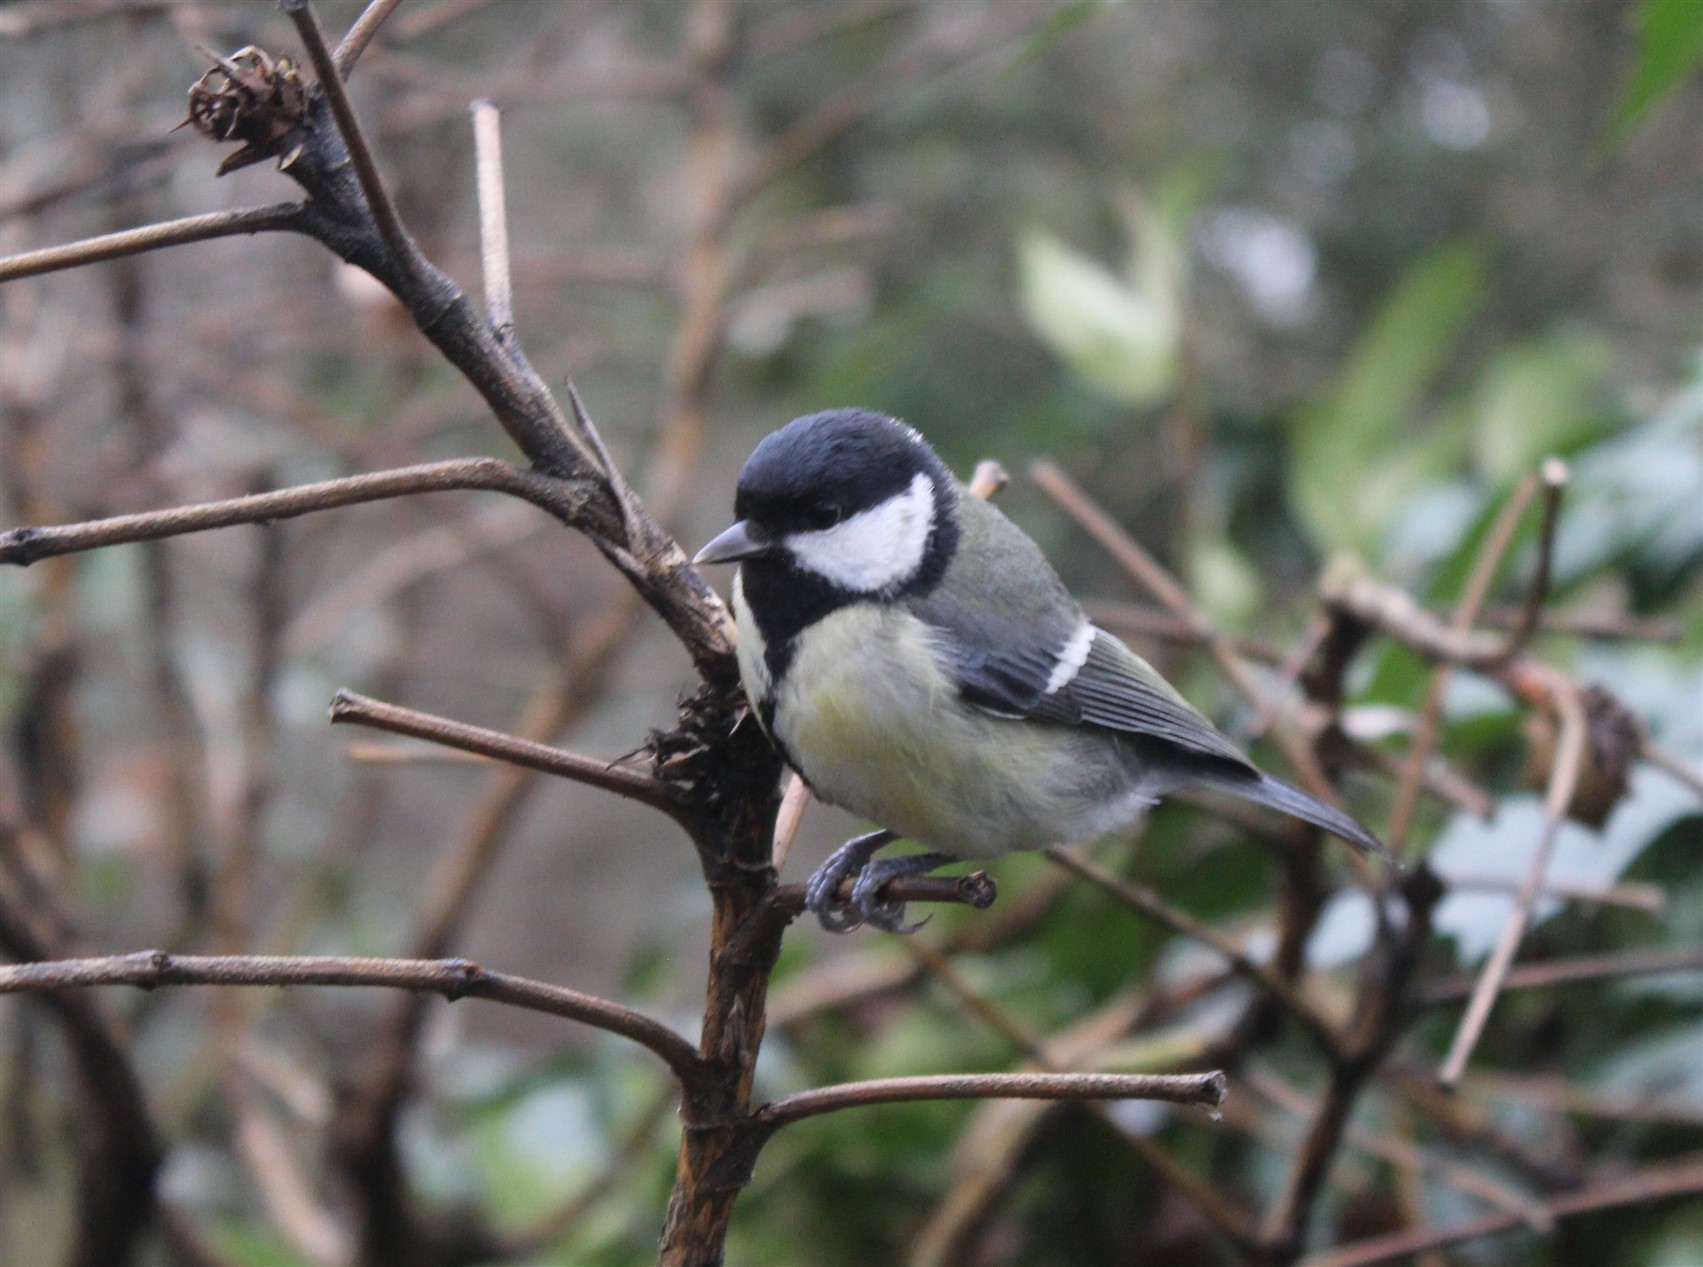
(834, 508)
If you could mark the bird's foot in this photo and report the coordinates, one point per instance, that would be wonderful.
(822, 890)
(888, 913)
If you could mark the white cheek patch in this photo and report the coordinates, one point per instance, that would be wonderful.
(1071, 657)
(753, 654)
(875, 549)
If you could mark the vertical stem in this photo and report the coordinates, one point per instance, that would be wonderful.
(702, 277)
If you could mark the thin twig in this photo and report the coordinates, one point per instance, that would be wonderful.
(1429, 723)
(1150, 904)
(1557, 1095)
(1654, 1183)
(452, 978)
(1569, 758)
(361, 34)
(1403, 1153)
(1141, 565)
(1288, 674)
(1649, 898)
(493, 218)
(347, 706)
(1553, 477)
(1602, 626)
(989, 479)
(397, 244)
(1084, 1041)
(1674, 764)
(1205, 1089)
(152, 237)
(794, 801)
(23, 546)
(1573, 971)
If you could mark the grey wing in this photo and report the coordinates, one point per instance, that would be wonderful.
(1039, 657)
(1067, 674)
(1117, 689)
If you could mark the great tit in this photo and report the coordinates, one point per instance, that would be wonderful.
(916, 659)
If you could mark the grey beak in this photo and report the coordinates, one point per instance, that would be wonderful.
(741, 541)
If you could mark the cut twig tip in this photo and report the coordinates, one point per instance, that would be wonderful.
(989, 479)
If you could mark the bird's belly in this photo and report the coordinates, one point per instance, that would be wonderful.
(882, 733)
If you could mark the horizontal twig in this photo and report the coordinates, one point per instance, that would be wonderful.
(1556, 1095)
(786, 903)
(635, 785)
(1655, 1183)
(1651, 898)
(24, 546)
(1573, 971)
(452, 978)
(1206, 1089)
(152, 237)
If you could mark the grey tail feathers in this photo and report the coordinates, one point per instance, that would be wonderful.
(1298, 804)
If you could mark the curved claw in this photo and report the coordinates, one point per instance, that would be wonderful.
(822, 890)
(838, 916)
(887, 913)
(890, 917)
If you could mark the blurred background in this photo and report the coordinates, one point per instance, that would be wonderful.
(1277, 283)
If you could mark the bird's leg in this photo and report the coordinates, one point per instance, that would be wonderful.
(822, 891)
(886, 913)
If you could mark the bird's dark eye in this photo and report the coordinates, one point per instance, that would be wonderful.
(823, 515)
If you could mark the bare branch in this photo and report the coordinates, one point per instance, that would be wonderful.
(1655, 1183)
(1401, 1152)
(403, 254)
(1649, 898)
(1553, 477)
(794, 801)
(1085, 1040)
(361, 34)
(1205, 1089)
(1429, 724)
(493, 217)
(347, 706)
(1674, 764)
(1569, 758)
(785, 903)
(23, 546)
(1574, 971)
(990, 478)
(1150, 904)
(152, 237)
(452, 978)
(1129, 554)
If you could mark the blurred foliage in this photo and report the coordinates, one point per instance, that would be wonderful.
(1670, 47)
(1326, 282)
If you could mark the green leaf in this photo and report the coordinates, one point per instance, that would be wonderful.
(1121, 336)
(1538, 399)
(1670, 46)
(1357, 453)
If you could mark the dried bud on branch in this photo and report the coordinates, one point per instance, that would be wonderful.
(252, 98)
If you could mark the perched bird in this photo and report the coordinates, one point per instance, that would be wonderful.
(917, 660)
